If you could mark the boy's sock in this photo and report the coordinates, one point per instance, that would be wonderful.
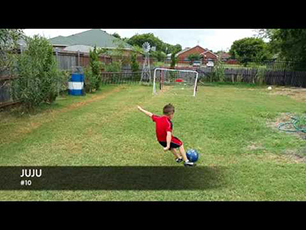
(188, 163)
(179, 160)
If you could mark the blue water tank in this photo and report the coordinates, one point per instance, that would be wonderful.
(76, 84)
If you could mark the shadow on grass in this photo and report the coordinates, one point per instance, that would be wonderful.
(115, 178)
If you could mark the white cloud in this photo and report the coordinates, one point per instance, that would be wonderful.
(222, 39)
(214, 39)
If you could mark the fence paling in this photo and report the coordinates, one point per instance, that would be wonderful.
(270, 76)
(120, 77)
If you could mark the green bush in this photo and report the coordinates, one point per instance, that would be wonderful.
(65, 77)
(193, 57)
(39, 80)
(91, 80)
(113, 67)
(218, 74)
(134, 63)
(95, 67)
(260, 76)
(93, 72)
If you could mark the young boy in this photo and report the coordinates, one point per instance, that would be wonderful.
(164, 127)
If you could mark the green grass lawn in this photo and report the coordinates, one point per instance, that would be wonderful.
(242, 157)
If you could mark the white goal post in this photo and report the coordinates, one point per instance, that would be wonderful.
(176, 70)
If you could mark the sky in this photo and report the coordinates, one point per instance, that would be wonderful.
(212, 39)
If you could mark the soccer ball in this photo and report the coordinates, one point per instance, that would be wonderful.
(192, 155)
(269, 88)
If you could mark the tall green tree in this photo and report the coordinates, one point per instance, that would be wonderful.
(93, 71)
(161, 46)
(38, 79)
(172, 48)
(116, 35)
(134, 63)
(290, 44)
(272, 35)
(139, 39)
(159, 55)
(248, 50)
(8, 47)
(174, 58)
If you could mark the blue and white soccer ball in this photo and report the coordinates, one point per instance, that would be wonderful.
(192, 155)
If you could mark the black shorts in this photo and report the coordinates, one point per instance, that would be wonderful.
(175, 143)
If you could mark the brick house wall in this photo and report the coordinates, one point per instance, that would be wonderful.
(208, 55)
(182, 58)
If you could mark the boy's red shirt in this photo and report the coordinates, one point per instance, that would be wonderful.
(162, 125)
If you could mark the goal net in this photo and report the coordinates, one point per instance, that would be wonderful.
(180, 82)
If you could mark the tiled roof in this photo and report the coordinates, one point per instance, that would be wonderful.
(90, 38)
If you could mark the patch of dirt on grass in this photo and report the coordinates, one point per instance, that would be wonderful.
(254, 146)
(93, 99)
(286, 157)
(296, 93)
(298, 156)
(284, 118)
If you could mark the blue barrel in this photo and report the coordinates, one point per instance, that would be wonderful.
(76, 84)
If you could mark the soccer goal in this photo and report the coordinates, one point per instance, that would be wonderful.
(179, 81)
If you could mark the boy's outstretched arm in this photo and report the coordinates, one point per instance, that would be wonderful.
(145, 112)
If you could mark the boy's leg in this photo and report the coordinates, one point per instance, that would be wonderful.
(176, 154)
(183, 153)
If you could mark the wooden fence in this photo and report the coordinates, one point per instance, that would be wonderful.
(120, 77)
(67, 60)
(268, 76)
(284, 78)
(5, 89)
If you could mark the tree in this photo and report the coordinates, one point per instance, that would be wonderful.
(118, 57)
(161, 46)
(93, 71)
(159, 55)
(274, 40)
(139, 39)
(174, 58)
(8, 47)
(116, 35)
(134, 64)
(290, 44)
(194, 57)
(38, 79)
(250, 50)
(172, 48)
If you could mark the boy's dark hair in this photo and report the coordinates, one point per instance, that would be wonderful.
(168, 109)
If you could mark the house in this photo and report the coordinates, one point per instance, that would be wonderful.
(78, 45)
(224, 57)
(86, 41)
(208, 56)
(205, 54)
(182, 56)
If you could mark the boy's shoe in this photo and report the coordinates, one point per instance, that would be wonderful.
(179, 160)
(188, 163)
